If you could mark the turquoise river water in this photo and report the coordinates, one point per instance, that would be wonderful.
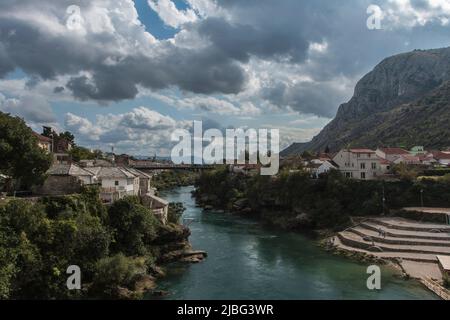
(249, 261)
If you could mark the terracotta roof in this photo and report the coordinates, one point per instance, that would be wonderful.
(440, 155)
(42, 138)
(361, 151)
(384, 161)
(394, 151)
(409, 157)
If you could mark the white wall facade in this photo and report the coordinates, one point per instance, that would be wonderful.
(358, 165)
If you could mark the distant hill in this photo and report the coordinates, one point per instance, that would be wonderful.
(404, 101)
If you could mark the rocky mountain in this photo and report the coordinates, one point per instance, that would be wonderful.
(403, 101)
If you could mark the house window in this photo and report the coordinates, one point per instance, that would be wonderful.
(116, 183)
(347, 174)
(363, 166)
(374, 166)
(363, 175)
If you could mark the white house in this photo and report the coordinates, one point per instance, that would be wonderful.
(361, 164)
(441, 157)
(115, 182)
(391, 154)
(144, 180)
(326, 166)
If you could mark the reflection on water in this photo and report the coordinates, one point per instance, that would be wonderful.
(248, 261)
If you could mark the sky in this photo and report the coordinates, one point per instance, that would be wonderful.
(127, 73)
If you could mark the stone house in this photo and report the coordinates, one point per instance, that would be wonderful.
(65, 179)
(159, 206)
(144, 180)
(115, 182)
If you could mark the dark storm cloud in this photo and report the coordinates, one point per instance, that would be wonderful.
(240, 42)
(307, 98)
(199, 72)
(266, 29)
(47, 55)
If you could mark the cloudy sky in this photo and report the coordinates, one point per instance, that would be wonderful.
(128, 73)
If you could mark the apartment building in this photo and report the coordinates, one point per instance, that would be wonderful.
(361, 164)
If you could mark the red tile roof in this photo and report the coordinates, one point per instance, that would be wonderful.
(42, 138)
(409, 157)
(384, 161)
(394, 151)
(440, 155)
(361, 151)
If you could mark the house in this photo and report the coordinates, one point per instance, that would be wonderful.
(427, 159)
(62, 146)
(361, 164)
(122, 160)
(326, 167)
(44, 142)
(144, 180)
(95, 163)
(246, 169)
(65, 179)
(115, 182)
(312, 169)
(441, 157)
(408, 159)
(159, 206)
(391, 154)
(417, 150)
(385, 165)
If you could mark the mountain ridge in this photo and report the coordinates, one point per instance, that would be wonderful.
(377, 114)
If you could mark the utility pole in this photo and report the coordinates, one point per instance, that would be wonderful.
(384, 201)
(421, 197)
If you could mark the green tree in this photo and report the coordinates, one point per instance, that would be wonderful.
(68, 136)
(114, 272)
(134, 226)
(80, 153)
(20, 156)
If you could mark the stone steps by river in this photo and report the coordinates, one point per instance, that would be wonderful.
(413, 244)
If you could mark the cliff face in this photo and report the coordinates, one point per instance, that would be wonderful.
(391, 104)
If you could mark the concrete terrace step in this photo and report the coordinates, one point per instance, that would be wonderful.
(354, 240)
(410, 225)
(417, 257)
(396, 233)
(364, 232)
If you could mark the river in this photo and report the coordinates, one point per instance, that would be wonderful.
(249, 261)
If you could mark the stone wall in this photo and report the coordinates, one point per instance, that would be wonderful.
(59, 185)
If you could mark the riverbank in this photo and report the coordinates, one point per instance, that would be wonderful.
(250, 260)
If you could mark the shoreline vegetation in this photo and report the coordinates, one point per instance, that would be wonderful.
(294, 201)
(316, 207)
(120, 249)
